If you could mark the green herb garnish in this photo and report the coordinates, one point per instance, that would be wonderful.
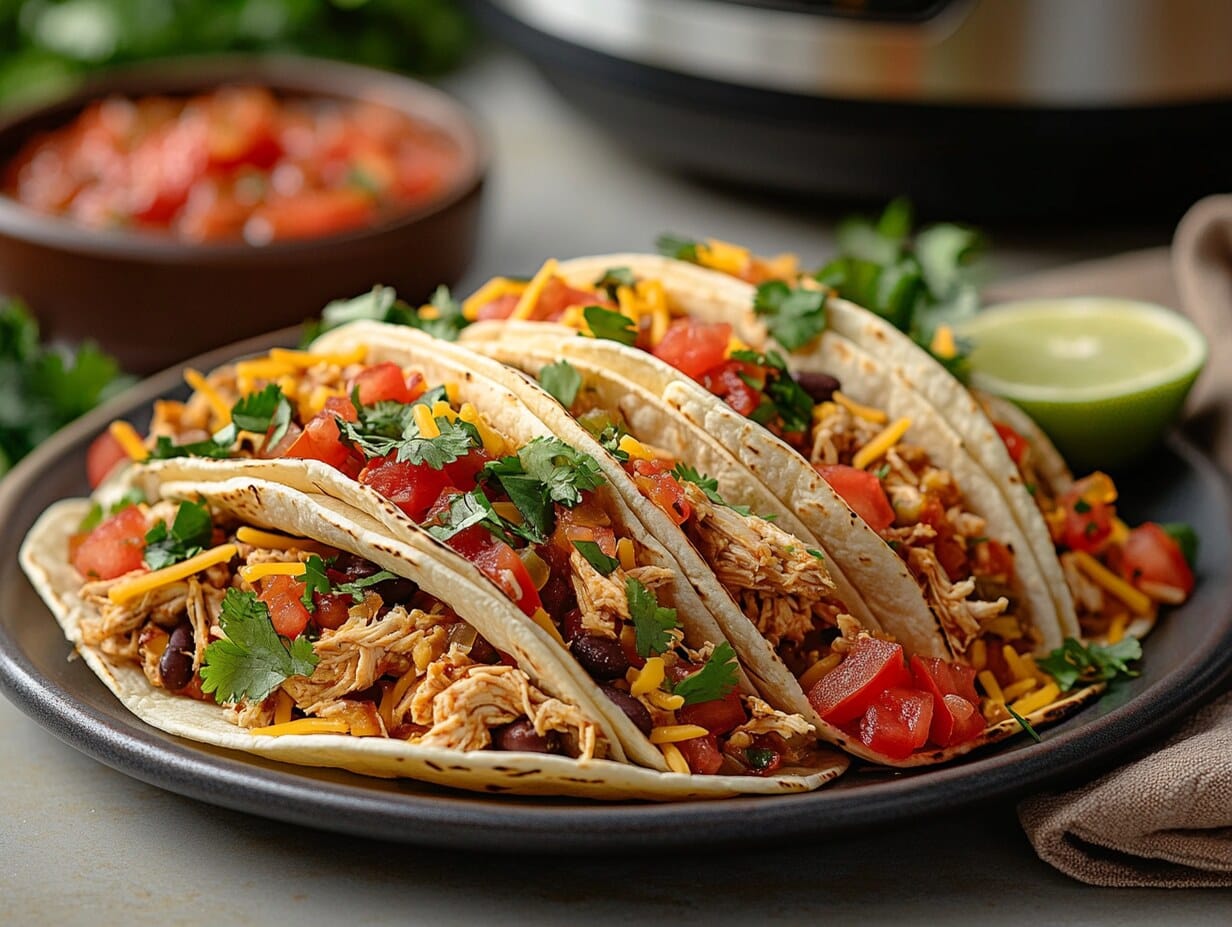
(562, 380)
(673, 246)
(794, 317)
(595, 556)
(614, 278)
(714, 680)
(189, 534)
(1186, 539)
(651, 621)
(708, 485)
(314, 579)
(263, 411)
(610, 324)
(254, 659)
(782, 396)
(1072, 663)
(356, 587)
(1024, 724)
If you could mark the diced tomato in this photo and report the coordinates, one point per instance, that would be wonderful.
(383, 383)
(694, 347)
(340, 407)
(500, 563)
(284, 443)
(104, 453)
(846, 692)
(463, 471)
(950, 553)
(241, 128)
(992, 558)
(702, 754)
(320, 441)
(1015, 443)
(557, 296)
(718, 716)
(115, 547)
(584, 522)
(1151, 554)
(281, 595)
(654, 478)
(311, 214)
(500, 308)
(1087, 525)
(727, 381)
(897, 723)
(411, 487)
(964, 721)
(952, 686)
(332, 611)
(862, 491)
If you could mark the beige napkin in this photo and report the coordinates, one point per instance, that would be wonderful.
(1165, 818)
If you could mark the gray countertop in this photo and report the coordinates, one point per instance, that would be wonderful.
(82, 844)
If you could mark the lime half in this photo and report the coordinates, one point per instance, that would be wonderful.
(1103, 377)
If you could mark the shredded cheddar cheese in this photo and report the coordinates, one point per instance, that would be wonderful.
(425, 422)
(634, 448)
(127, 436)
(675, 733)
(626, 554)
(442, 409)
(991, 687)
(218, 405)
(490, 292)
(530, 296)
(649, 678)
(303, 726)
(1116, 628)
(283, 703)
(877, 448)
(508, 511)
(978, 655)
(493, 443)
(451, 392)
(813, 674)
(868, 413)
(661, 699)
(1021, 687)
(302, 360)
(270, 541)
(138, 586)
(1139, 603)
(250, 574)
(1037, 700)
(723, 256)
(943, 344)
(675, 759)
(1014, 662)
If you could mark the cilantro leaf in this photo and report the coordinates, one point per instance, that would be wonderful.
(1186, 539)
(673, 246)
(253, 660)
(467, 509)
(263, 411)
(1024, 724)
(1072, 663)
(445, 321)
(562, 380)
(387, 427)
(132, 496)
(596, 557)
(614, 278)
(314, 579)
(92, 519)
(606, 430)
(759, 758)
(381, 304)
(165, 449)
(565, 471)
(708, 485)
(712, 681)
(355, 588)
(610, 324)
(190, 532)
(454, 441)
(651, 622)
(782, 396)
(794, 317)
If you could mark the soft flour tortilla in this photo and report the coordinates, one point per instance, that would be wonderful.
(757, 654)
(43, 556)
(881, 366)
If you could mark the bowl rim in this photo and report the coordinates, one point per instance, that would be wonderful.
(281, 72)
(1184, 371)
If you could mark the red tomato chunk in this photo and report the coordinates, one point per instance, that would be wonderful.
(694, 347)
(862, 491)
(115, 547)
(1150, 554)
(235, 164)
(847, 691)
(282, 596)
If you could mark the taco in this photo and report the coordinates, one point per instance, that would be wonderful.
(249, 616)
(454, 465)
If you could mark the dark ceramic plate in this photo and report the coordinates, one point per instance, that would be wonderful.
(1186, 659)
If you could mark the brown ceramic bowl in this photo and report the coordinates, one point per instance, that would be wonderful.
(153, 300)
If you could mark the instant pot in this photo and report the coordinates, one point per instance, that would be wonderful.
(988, 107)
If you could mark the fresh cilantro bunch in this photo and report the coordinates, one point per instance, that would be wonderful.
(381, 304)
(41, 388)
(917, 282)
(254, 659)
(1073, 663)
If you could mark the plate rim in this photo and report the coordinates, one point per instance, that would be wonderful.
(463, 820)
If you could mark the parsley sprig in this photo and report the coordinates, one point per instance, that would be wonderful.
(190, 532)
(253, 659)
(1073, 663)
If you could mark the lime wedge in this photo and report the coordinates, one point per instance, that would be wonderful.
(1103, 377)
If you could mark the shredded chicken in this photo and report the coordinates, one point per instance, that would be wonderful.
(252, 714)
(764, 719)
(782, 588)
(959, 615)
(203, 605)
(602, 600)
(107, 620)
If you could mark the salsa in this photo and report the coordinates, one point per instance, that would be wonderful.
(235, 164)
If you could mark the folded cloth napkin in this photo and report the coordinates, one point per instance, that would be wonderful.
(1165, 818)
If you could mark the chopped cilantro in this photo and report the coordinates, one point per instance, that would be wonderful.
(253, 659)
(314, 579)
(651, 621)
(355, 588)
(712, 681)
(467, 509)
(782, 396)
(813, 551)
(596, 557)
(263, 411)
(1024, 724)
(1072, 663)
(882, 472)
(381, 304)
(1186, 539)
(615, 277)
(794, 317)
(708, 485)
(190, 532)
(673, 246)
(562, 380)
(545, 470)
(610, 324)
(165, 449)
(388, 427)
(759, 758)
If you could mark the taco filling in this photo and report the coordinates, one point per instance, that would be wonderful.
(531, 518)
(297, 638)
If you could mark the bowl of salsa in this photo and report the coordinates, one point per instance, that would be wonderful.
(168, 208)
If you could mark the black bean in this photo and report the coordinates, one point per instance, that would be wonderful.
(821, 386)
(521, 737)
(395, 591)
(634, 709)
(175, 666)
(602, 657)
(483, 652)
